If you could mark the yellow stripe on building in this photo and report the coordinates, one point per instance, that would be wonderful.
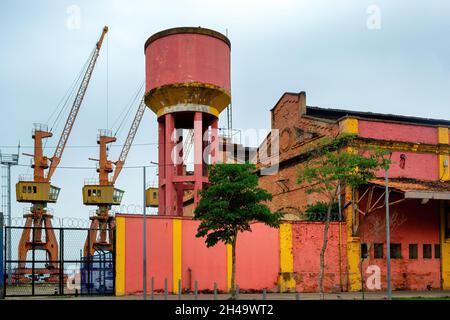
(286, 280)
(444, 160)
(353, 248)
(176, 253)
(229, 265)
(349, 125)
(120, 256)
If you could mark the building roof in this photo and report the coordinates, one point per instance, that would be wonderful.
(417, 189)
(335, 114)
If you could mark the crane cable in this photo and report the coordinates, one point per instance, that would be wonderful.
(128, 107)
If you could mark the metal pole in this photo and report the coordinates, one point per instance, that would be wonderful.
(2, 284)
(388, 240)
(8, 245)
(144, 241)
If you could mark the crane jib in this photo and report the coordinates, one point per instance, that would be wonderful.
(75, 108)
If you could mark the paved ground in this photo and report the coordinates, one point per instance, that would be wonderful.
(274, 296)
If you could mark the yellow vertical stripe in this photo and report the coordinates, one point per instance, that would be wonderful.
(353, 248)
(286, 280)
(349, 125)
(229, 265)
(120, 256)
(444, 170)
(176, 253)
(443, 135)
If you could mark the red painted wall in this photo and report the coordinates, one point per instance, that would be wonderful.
(307, 244)
(397, 132)
(421, 166)
(258, 258)
(411, 223)
(181, 58)
(159, 253)
(208, 265)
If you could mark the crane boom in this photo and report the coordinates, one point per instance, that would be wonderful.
(75, 107)
(129, 141)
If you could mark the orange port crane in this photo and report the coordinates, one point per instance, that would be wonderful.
(38, 190)
(102, 193)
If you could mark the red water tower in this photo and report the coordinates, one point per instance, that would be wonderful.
(187, 86)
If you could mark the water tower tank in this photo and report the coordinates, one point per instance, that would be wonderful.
(187, 69)
(187, 86)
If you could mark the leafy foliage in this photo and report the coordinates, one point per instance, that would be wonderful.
(318, 211)
(329, 165)
(231, 202)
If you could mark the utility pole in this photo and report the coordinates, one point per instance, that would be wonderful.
(388, 239)
(8, 160)
(144, 239)
(2, 278)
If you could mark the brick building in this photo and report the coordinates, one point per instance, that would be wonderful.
(419, 191)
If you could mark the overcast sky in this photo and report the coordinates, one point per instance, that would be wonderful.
(389, 56)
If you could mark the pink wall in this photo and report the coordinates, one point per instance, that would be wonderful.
(307, 243)
(257, 258)
(411, 223)
(208, 265)
(181, 58)
(397, 132)
(421, 166)
(159, 253)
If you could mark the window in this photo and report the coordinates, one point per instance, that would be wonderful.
(154, 195)
(24, 189)
(437, 251)
(378, 251)
(427, 251)
(364, 251)
(34, 189)
(396, 251)
(99, 193)
(89, 192)
(413, 251)
(29, 189)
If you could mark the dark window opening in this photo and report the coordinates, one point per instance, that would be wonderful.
(89, 193)
(413, 251)
(364, 251)
(378, 251)
(34, 189)
(437, 251)
(396, 250)
(427, 251)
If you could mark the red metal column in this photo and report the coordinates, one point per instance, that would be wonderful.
(179, 172)
(214, 140)
(198, 155)
(161, 167)
(169, 166)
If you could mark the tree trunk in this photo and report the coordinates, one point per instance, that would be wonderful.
(322, 252)
(233, 268)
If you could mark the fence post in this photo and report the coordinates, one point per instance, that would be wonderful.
(61, 261)
(196, 290)
(153, 288)
(165, 288)
(33, 258)
(2, 277)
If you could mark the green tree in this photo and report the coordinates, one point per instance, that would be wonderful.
(333, 164)
(228, 206)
